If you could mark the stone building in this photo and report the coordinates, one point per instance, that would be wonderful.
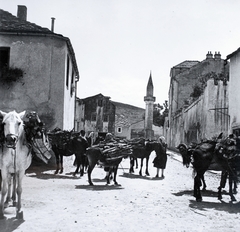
(95, 114)
(99, 114)
(198, 100)
(38, 70)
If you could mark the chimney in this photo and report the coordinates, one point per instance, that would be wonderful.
(52, 25)
(217, 56)
(209, 55)
(22, 12)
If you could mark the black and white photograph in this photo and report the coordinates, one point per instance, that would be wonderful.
(119, 115)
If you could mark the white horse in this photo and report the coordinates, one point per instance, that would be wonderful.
(15, 158)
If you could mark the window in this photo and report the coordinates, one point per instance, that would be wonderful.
(100, 102)
(119, 129)
(67, 74)
(4, 58)
(72, 83)
(105, 118)
(94, 117)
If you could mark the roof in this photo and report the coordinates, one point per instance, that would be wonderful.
(127, 115)
(233, 53)
(10, 24)
(94, 96)
(187, 64)
(119, 104)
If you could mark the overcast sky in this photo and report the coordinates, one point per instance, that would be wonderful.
(119, 42)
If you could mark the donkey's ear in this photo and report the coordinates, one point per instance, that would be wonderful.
(220, 136)
(21, 115)
(2, 113)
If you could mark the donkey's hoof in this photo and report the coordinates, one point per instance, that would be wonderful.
(19, 215)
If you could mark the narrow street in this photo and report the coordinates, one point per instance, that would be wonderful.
(65, 203)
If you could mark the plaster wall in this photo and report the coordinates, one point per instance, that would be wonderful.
(42, 88)
(234, 99)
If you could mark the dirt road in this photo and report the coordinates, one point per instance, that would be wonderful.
(65, 203)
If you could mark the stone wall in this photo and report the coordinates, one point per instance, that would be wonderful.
(205, 118)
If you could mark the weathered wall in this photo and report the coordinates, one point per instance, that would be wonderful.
(234, 99)
(205, 118)
(43, 89)
(90, 113)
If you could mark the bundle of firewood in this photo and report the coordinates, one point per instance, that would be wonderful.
(59, 137)
(137, 143)
(114, 150)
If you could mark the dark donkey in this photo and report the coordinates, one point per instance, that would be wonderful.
(142, 149)
(95, 156)
(109, 154)
(203, 157)
(68, 143)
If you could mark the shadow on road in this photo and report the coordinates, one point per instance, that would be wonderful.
(46, 176)
(133, 176)
(208, 193)
(10, 224)
(220, 206)
(99, 187)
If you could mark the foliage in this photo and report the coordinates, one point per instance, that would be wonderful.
(197, 91)
(10, 75)
(159, 113)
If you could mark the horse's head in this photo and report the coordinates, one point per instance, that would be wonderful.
(12, 127)
(186, 153)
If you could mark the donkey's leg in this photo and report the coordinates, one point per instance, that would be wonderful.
(223, 181)
(234, 187)
(57, 162)
(61, 164)
(146, 172)
(19, 177)
(197, 190)
(9, 192)
(140, 172)
(136, 160)
(231, 181)
(204, 183)
(14, 190)
(90, 169)
(4, 190)
(115, 175)
(77, 162)
(131, 170)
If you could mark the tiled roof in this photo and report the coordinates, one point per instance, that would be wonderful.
(126, 114)
(187, 64)
(11, 23)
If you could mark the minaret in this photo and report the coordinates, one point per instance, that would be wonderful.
(149, 99)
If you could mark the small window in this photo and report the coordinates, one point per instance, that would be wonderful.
(119, 129)
(67, 74)
(105, 118)
(4, 58)
(94, 117)
(72, 84)
(100, 102)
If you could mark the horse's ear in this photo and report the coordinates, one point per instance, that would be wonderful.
(21, 115)
(2, 113)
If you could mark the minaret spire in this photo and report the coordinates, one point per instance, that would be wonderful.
(149, 100)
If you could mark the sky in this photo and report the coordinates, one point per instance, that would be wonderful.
(118, 43)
